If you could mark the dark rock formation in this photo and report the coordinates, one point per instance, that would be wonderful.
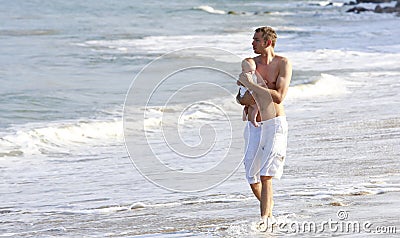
(359, 9)
(378, 8)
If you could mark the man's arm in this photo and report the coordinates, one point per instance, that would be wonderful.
(282, 82)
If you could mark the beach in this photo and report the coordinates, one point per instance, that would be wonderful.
(119, 119)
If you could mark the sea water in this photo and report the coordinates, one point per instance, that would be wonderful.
(67, 70)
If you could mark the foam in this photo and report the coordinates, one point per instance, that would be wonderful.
(237, 43)
(373, 57)
(325, 85)
(58, 137)
(209, 9)
(144, 205)
(202, 111)
(62, 136)
(363, 189)
(328, 59)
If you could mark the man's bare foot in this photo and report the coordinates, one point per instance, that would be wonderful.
(266, 224)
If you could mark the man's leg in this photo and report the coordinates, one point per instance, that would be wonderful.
(256, 188)
(266, 201)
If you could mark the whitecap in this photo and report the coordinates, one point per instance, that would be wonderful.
(58, 137)
(209, 9)
(325, 85)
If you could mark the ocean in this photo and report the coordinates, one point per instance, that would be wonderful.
(119, 119)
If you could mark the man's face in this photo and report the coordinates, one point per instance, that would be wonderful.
(258, 43)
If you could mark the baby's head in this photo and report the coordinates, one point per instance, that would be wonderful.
(249, 65)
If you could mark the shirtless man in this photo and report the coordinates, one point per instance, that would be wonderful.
(266, 145)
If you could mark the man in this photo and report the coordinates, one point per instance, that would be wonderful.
(266, 145)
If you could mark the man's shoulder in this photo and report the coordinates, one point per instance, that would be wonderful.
(282, 59)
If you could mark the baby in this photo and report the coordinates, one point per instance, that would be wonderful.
(250, 111)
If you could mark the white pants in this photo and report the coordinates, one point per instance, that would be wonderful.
(265, 149)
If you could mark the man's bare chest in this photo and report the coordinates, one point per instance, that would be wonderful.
(269, 75)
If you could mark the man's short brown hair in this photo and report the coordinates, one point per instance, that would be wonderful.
(268, 34)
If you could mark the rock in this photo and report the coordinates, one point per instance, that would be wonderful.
(358, 9)
(262, 13)
(351, 3)
(321, 4)
(379, 9)
(236, 13)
